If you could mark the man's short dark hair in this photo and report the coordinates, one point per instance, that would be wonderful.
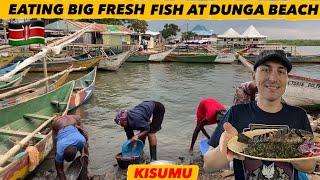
(70, 153)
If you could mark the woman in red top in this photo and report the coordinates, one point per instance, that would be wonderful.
(207, 112)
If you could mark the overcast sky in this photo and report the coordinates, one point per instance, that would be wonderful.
(274, 29)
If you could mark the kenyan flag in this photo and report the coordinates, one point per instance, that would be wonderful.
(26, 33)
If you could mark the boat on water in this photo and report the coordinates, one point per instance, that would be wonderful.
(28, 123)
(113, 63)
(15, 80)
(60, 65)
(7, 59)
(83, 89)
(148, 56)
(293, 58)
(304, 58)
(8, 68)
(225, 58)
(301, 91)
(27, 94)
(192, 57)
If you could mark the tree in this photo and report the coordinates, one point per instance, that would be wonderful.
(169, 30)
(104, 21)
(188, 35)
(139, 26)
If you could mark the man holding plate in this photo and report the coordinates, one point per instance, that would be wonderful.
(270, 75)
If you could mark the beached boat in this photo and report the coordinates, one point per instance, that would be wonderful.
(292, 58)
(56, 66)
(7, 59)
(83, 89)
(8, 68)
(141, 56)
(225, 58)
(25, 95)
(157, 57)
(301, 91)
(14, 80)
(28, 123)
(304, 59)
(113, 63)
(192, 57)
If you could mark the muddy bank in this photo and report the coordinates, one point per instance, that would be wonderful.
(116, 173)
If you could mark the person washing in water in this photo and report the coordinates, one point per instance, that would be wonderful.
(69, 137)
(146, 117)
(208, 112)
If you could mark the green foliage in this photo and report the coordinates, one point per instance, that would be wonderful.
(104, 21)
(139, 26)
(169, 30)
(188, 35)
(296, 42)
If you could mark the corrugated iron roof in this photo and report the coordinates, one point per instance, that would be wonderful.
(75, 26)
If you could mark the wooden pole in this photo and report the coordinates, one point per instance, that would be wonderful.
(10, 93)
(5, 31)
(45, 71)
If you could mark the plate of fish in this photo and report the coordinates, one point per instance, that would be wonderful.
(276, 145)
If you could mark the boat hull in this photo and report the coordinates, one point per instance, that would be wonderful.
(303, 92)
(43, 106)
(113, 63)
(83, 91)
(15, 80)
(57, 66)
(192, 58)
(138, 58)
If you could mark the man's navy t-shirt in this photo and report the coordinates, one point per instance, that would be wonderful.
(244, 116)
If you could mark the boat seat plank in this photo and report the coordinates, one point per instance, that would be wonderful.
(59, 103)
(36, 116)
(20, 133)
(77, 88)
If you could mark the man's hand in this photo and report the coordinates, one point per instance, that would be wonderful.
(134, 138)
(229, 132)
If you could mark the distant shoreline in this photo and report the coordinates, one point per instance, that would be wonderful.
(296, 42)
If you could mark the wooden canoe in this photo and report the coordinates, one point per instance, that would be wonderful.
(23, 96)
(305, 59)
(301, 91)
(83, 89)
(158, 57)
(4, 61)
(293, 58)
(15, 80)
(225, 58)
(192, 58)
(113, 63)
(150, 56)
(57, 66)
(25, 119)
(8, 68)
